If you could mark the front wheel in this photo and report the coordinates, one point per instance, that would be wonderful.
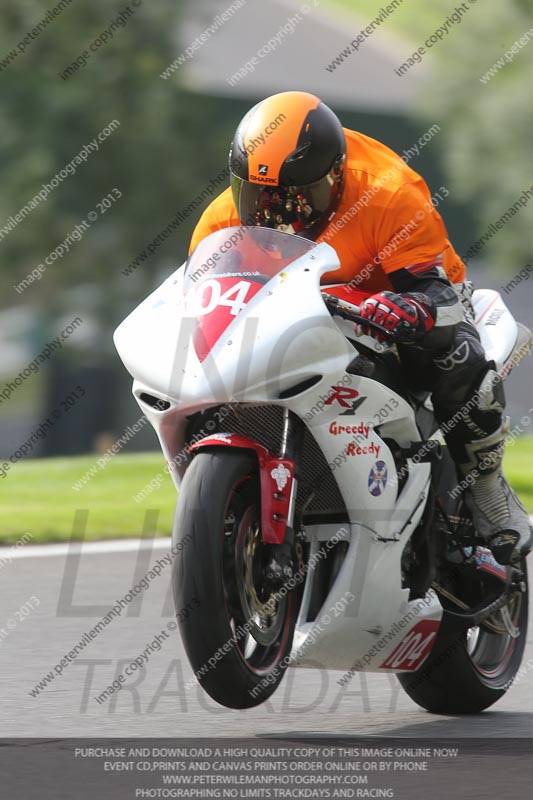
(469, 670)
(237, 633)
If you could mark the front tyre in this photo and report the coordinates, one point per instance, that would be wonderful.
(236, 632)
(469, 670)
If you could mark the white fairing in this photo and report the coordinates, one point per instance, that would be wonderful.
(283, 335)
(495, 324)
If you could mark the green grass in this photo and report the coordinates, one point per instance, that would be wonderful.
(37, 495)
(518, 468)
(410, 20)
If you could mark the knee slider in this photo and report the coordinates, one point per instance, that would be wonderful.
(490, 395)
(484, 414)
(486, 454)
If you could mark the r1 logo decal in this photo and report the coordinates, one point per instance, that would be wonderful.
(341, 395)
(414, 648)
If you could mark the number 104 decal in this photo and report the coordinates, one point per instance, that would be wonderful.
(414, 648)
(215, 303)
(211, 294)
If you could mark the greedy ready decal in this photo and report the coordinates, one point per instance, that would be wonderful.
(354, 449)
(335, 429)
(358, 447)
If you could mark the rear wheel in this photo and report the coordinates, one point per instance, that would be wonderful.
(236, 631)
(469, 670)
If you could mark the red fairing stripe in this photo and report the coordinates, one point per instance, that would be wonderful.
(345, 292)
(276, 476)
(416, 269)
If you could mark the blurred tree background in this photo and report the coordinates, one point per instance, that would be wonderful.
(487, 149)
(152, 158)
(486, 145)
(168, 145)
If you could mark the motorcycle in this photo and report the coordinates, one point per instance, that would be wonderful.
(320, 516)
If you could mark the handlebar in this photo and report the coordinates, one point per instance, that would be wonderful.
(351, 312)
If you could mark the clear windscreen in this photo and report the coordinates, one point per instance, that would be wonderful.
(256, 253)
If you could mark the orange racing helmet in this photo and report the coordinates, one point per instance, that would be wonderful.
(287, 164)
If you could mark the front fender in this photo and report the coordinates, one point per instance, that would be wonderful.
(276, 480)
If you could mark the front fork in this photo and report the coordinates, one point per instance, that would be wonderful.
(280, 566)
(291, 448)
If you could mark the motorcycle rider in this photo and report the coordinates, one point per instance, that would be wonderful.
(294, 167)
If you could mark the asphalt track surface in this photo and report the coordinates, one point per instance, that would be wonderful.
(157, 701)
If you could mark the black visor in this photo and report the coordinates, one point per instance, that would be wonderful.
(304, 210)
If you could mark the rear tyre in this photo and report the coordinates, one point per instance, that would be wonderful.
(236, 632)
(469, 670)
